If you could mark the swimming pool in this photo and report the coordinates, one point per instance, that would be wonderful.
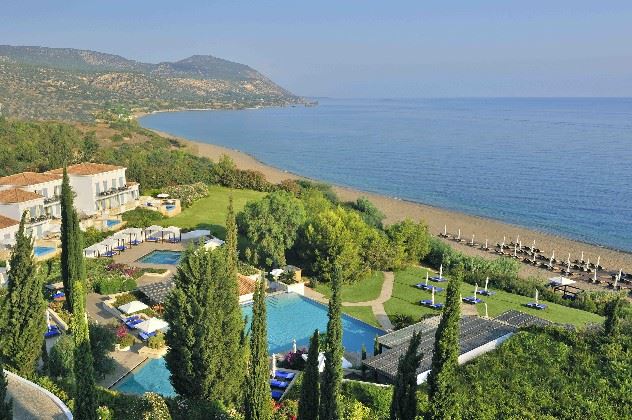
(161, 257)
(40, 251)
(112, 222)
(289, 316)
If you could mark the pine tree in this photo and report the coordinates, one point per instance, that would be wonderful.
(206, 356)
(613, 317)
(231, 239)
(442, 380)
(86, 403)
(330, 407)
(23, 310)
(308, 405)
(257, 404)
(72, 265)
(6, 405)
(404, 402)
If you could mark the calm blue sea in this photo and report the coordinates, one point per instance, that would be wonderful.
(562, 166)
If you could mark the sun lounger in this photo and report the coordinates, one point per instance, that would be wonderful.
(52, 331)
(132, 321)
(278, 384)
(173, 240)
(486, 292)
(428, 303)
(120, 248)
(146, 336)
(152, 239)
(538, 306)
(438, 279)
(472, 300)
(59, 295)
(284, 375)
(135, 242)
(429, 287)
(276, 394)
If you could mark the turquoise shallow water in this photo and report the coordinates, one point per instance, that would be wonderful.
(290, 316)
(558, 165)
(161, 257)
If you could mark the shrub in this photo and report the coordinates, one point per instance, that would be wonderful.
(157, 341)
(114, 284)
(285, 410)
(91, 236)
(125, 340)
(140, 217)
(188, 194)
(50, 385)
(102, 340)
(60, 357)
(156, 407)
(295, 361)
(104, 413)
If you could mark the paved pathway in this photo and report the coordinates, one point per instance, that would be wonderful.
(31, 402)
(377, 305)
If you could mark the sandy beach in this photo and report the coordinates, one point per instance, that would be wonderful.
(437, 218)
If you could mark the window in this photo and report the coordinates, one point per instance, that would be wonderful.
(45, 192)
(97, 187)
(113, 182)
(121, 181)
(105, 185)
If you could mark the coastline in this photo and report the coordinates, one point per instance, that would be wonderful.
(396, 209)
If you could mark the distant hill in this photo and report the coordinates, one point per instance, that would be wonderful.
(71, 84)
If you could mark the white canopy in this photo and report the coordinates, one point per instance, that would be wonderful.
(94, 250)
(195, 234)
(162, 195)
(276, 272)
(151, 325)
(321, 362)
(561, 281)
(132, 307)
(213, 243)
(153, 230)
(108, 242)
(172, 230)
(131, 231)
(54, 228)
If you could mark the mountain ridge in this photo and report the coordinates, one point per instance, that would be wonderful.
(75, 84)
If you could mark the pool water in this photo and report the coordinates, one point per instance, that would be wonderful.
(289, 316)
(170, 207)
(40, 251)
(161, 257)
(112, 222)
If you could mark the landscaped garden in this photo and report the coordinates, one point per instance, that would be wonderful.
(406, 297)
(360, 291)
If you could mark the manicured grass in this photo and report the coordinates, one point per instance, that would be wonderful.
(210, 212)
(360, 291)
(363, 313)
(406, 299)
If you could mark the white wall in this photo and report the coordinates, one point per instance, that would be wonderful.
(7, 234)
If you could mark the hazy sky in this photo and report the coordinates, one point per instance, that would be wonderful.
(360, 48)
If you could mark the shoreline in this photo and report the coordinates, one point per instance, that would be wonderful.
(396, 209)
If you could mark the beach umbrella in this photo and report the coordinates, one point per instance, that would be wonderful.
(445, 230)
(162, 195)
(515, 250)
(502, 245)
(274, 368)
(616, 279)
(553, 256)
(426, 278)
(486, 247)
(459, 236)
(151, 325)
(432, 296)
(294, 345)
(598, 260)
(595, 276)
(568, 266)
(537, 295)
(551, 261)
(582, 258)
(517, 238)
(486, 283)
(441, 271)
(475, 289)
(472, 240)
(486, 313)
(132, 307)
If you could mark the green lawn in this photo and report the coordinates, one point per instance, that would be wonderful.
(210, 212)
(406, 299)
(363, 313)
(360, 291)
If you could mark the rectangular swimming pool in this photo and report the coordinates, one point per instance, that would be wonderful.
(290, 316)
(161, 256)
(40, 251)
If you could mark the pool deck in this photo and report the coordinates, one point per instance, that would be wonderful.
(124, 363)
(132, 254)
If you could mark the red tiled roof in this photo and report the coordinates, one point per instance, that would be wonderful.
(16, 195)
(24, 179)
(246, 285)
(87, 169)
(5, 222)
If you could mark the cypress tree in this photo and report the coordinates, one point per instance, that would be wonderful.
(72, 266)
(310, 387)
(442, 380)
(330, 407)
(23, 309)
(6, 405)
(404, 402)
(257, 404)
(613, 315)
(86, 403)
(231, 239)
(376, 346)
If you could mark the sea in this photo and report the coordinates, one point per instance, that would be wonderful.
(557, 165)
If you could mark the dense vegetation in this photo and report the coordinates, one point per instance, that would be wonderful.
(64, 83)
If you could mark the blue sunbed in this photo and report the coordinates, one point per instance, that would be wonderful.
(152, 239)
(486, 292)
(52, 331)
(146, 336)
(429, 287)
(120, 248)
(110, 253)
(472, 300)
(428, 303)
(135, 242)
(59, 295)
(173, 240)
(438, 279)
(278, 384)
(284, 375)
(276, 394)
(538, 306)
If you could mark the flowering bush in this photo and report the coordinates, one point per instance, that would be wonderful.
(188, 194)
(286, 410)
(295, 361)
(125, 340)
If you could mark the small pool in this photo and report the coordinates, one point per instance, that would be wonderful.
(41, 251)
(170, 207)
(161, 257)
(112, 222)
(289, 316)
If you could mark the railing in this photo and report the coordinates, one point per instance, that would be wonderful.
(39, 219)
(50, 200)
(113, 191)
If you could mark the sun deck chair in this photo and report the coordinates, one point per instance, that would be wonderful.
(110, 253)
(428, 303)
(284, 375)
(52, 331)
(276, 394)
(486, 292)
(538, 306)
(429, 287)
(135, 242)
(146, 336)
(152, 239)
(278, 384)
(472, 300)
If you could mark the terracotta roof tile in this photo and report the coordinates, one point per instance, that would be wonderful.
(5, 222)
(87, 169)
(246, 285)
(24, 179)
(16, 195)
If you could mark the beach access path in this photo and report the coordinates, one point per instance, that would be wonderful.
(377, 305)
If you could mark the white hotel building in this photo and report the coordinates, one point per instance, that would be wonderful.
(100, 191)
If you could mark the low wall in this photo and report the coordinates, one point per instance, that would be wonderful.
(65, 411)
